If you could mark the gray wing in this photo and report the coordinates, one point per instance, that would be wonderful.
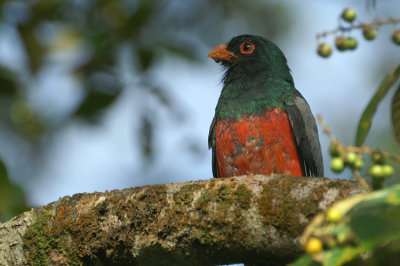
(306, 135)
(211, 145)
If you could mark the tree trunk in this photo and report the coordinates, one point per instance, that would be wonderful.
(252, 219)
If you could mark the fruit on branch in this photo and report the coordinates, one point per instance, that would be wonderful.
(351, 43)
(334, 215)
(340, 43)
(358, 164)
(351, 157)
(376, 171)
(337, 164)
(369, 32)
(314, 245)
(396, 37)
(333, 150)
(377, 157)
(349, 15)
(324, 50)
(387, 170)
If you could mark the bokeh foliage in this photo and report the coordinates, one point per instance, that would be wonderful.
(364, 230)
(12, 198)
(91, 39)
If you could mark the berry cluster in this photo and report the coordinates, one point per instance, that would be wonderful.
(343, 43)
(379, 169)
(351, 159)
(327, 237)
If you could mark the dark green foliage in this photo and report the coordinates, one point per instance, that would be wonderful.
(8, 87)
(101, 29)
(367, 234)
(396, 113)
(12, 199)
(100, 33)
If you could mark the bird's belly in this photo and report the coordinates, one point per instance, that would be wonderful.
(261, 144)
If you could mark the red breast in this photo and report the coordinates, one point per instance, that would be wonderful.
(261, 144)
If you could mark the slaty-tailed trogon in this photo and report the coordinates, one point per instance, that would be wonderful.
(262, 124)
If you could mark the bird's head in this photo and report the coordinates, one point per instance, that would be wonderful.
(251, 55)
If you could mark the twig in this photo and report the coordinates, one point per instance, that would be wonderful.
(361, 180)
(360, 25)
(343, 149)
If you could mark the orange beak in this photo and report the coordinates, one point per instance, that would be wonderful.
(221, 53)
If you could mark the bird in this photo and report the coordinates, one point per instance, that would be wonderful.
(262, 123)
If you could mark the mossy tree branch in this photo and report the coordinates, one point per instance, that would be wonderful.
(217, 221)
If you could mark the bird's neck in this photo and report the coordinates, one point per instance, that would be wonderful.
(248, 96)
(255, 71)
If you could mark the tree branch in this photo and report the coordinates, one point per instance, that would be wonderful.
(218, 221)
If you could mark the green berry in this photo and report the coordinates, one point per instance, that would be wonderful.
(340, 43)
(337, 164)
(396, 37)
(324, 50)
(349, 15)
(377, 158)
(351, 43)
(369, 33)
(358, 164)
(376, 171)
(334, 215)
(387, 170)
(343, 237)
(333, 150)
(351, 158)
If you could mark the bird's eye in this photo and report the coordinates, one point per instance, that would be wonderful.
(247, 47)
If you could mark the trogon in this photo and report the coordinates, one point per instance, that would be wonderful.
(262, 124)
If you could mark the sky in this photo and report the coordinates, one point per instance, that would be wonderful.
(81, 158)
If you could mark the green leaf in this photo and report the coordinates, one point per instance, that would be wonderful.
(12, 196)
(48, 10)
(3, 175)
(365, 122)
(146, 57)
(34, 50)
(396, 114)
(339, 256)
(95, 103)
(182, 50)
(26, 120)
(7, 82)
(305, 260)
(142, 15)
(376, 220)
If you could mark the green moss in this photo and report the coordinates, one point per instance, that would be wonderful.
(207, 239)
(205, 198)
(243, 196)
(309, 207)
(144, 208)
(278, 207)
(39, 241)
(224, 196)
(186, 193)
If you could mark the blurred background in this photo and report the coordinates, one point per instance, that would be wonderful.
(99, 95)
